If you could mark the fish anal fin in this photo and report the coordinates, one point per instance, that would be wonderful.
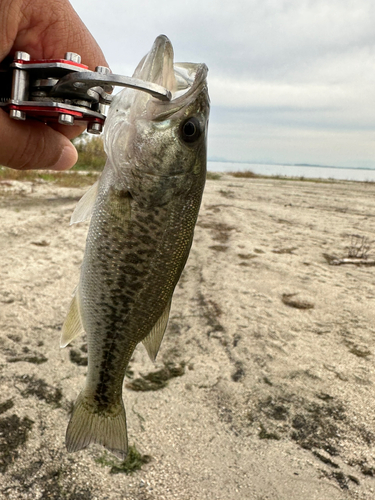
(72, 326)
(85, 205)
(88, 426)
(153, 340)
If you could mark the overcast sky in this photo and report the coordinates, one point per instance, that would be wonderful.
(290, 81)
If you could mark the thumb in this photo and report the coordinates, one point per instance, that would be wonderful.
(33, 145)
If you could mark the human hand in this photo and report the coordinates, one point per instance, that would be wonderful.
(46, 30)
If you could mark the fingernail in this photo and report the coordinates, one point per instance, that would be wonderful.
(68, 158)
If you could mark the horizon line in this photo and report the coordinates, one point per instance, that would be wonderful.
(216, 160)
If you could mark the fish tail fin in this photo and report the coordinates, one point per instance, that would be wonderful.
(87, 427)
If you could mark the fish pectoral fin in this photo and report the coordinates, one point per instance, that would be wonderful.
(72, 326)
(85, 205)
(153, 340)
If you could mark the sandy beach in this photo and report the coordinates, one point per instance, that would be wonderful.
(264, 385)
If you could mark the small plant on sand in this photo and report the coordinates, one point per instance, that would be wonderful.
(359, 247)
(132, 462)
(357, 253)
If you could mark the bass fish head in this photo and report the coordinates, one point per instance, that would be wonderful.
(148, 139)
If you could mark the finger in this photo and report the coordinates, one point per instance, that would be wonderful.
(70, 131)
(34, 145)
(49, 33)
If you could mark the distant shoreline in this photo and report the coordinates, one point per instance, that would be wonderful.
(307, 171)
(212, 175)
(289, 164)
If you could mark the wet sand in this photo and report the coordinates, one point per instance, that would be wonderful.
(264, 385)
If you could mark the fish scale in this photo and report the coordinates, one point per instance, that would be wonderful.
(144, 209)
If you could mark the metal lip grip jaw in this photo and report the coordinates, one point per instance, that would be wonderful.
(64, 90)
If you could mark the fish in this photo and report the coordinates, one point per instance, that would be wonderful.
(143, 211)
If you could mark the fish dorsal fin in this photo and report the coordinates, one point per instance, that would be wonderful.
(72, 326)
(153, 340)
(85, 205)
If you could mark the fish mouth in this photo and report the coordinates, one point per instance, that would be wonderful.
(157, 65)
(183, 80)
(191, 79)
(191, 85)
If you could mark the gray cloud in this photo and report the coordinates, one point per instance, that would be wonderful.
(279, 70)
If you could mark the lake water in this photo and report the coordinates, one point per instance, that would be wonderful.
(352, 174)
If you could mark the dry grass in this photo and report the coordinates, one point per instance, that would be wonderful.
(248, 174)
(244, 174)
(63, 179)
(359, 247)
(213, 176)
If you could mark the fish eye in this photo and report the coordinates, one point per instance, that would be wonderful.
(190, 130)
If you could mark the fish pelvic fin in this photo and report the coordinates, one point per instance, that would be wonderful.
(154, 338)
(72, 326)
(88, 426)
(85, 205)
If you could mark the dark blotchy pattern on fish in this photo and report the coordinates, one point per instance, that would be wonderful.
(133, 253)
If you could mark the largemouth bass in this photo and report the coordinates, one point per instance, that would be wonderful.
(143, 212)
